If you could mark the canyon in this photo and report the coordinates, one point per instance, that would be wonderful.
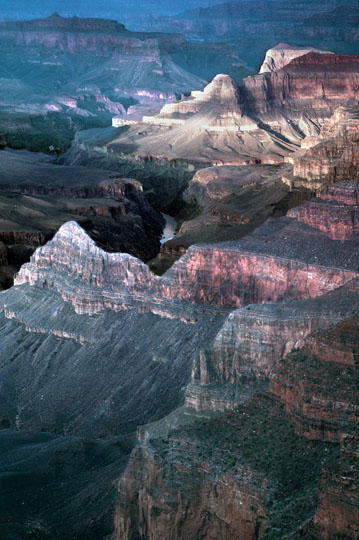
(59, 75)
(265, 445)
(71, 290)
(319, 24)
(179, 319)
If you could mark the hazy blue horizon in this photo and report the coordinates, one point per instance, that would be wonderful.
(27, 9)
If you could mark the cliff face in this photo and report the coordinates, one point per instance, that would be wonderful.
(257, 269)
(104, 345)
(252, 341)
(257, 449)
(320, 410)
(224, 477)
(341, 222)
(260, 121)
(319, 24)
(293, 84)
(281, 55)
(37, 197)
(235, 441)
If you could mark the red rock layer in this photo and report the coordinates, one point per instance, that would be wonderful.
(314, 81)
(254, 339)
(186, 499)
(337, 515)
(283, 259)
(342, 222)
(318, 384)
(331, 157)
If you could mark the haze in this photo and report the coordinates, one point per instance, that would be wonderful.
(25, 9)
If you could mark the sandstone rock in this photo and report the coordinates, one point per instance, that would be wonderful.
(282, 54)
(318, 383)
(330, 157)
(252, 341)
(222, 477)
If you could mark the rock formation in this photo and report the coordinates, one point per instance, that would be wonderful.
(248, 473)
(263, 120)
(330, 157)
(238, 366)
(95, 69)
(282, 54)
(226, 460)
(37, 197)
(77, 277)
(330, 25)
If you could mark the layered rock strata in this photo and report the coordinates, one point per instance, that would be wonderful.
(263, 119)
(95, 70)
(304, 383)
(330, 157)
(225, 477)
(229, 203)
(258, 448)
(257, 269)
(37, 197)
(282, 54)
(283, 260)
(254, 339)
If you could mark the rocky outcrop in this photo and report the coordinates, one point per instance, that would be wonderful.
(304, 383)
(254, 339)
(341, 222)
(93, 374)
(260, 121)
(282, 54)
(224, 477)
(282, 260)
(253, 449)
(37, 197)
(260, 268)
(330, 157)
(292, 86)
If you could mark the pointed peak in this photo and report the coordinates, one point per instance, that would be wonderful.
(73, 231)
(222, 88)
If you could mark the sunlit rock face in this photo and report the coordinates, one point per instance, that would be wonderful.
(281, 55)
(263, 266)
(314, 80)
(261, 120)
(257, 269)
(330, 157)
